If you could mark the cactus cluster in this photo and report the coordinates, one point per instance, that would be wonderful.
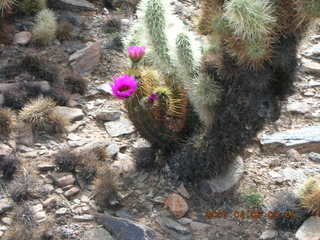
(206, 98)
(45, 28)
(310, 196)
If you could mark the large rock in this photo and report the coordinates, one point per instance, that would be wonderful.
(303, 140)
(313, 52)
(73, 5)
(177, 205)
(299, 107)
(221, 187)
(86, 59)
(97, 234)
(22, 38)
(310, 229)
(309, 66)
(71, 114)
(120, 127)
(124, 229)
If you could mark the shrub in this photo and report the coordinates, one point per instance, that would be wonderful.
(45, 28)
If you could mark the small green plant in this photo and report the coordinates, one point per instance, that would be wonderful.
(252, 199)
(45, 28)
(30, 7)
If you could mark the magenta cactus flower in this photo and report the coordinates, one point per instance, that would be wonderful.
(136, 52)
(153, 97)
(124, 86)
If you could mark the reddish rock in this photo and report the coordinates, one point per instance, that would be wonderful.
(177, 205)
(66, 180)
(86, 59)
(50, 202)
(22, 38)
(73, 191)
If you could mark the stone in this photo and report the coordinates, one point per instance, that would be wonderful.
(108, 116)
(200, 230)
(46, 167)
(83, 218)
(61, 211)
(105, 88)
(177, 205)
(71, 114)
(222, 186)
(37, 208)
(50, 202)
(112, 149)
(304, 140)
(168, 223)
(293, 155)
(5, 205)
(5, 150)
(120, 127)
(124, 165)
(309, 66)
(268, 234)
(22, 38)
(299, 107)
(86, 59)
(185, 221)
(291, 174)
(97, 234)
(73, 191)
(313, 52)
(7, 220)
(309, 230)
(73, 5)
(66, 180)
(125, 229)
(40, 216)
(314, 157)
(183, 191)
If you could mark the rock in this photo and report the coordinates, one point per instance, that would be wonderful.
(120, 127)
(5, 150)
(294, 155)
(46, 167)
(108, 116)
(22, 38)
(37, 208)
(200, 230)
(71, 114)
(40, 216)
(112, 149)
(124, 165)
(294, 174)
(223, 186)
(61, 211)
(309, 66)
(50, 202)
(183, 191)
(304, 140)
(66, 180)
(84, 218)
(72, 5)
(299, 107)
(314, 157)
(275, 175)
(125, 229)
(168, 223)
(5, 205)
(97, 234)
(86, 59)
(185, 221)
(105, 88)
(310, 229)
(177, 205)
(268, 234)
(73, 191)
(7, 220)
(313, 52)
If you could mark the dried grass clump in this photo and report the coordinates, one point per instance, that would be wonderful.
(9, 165)
(66, 160)
(30, 7)
(105, 188)
(22, 188)
(7, 120)
(87, 166)
(64, 31)
(45, 28)
(75, 83)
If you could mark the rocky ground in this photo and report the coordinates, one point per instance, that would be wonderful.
(286, 153)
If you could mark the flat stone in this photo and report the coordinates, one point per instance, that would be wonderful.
(7, 220)
(108, 116)
(120, 127)
(309, 230)
(86, 59)
(71, 114)
(50, 202)
(84, 218)
(314, 157)
(5, 205)
(112, 149)
(46, 167)
(299, 107)
(5, 150)
(304, 140)
(168, 223)
(177, 205)
(200, 230)
(294, 174)
(313, 52)
(124, 165)
(40, 216)
(97, 234)
(73, 5)
(309, 66)
(269, 234)
(223, 186)
(37, 208)
(105, 88)
(61, 211)
(66, 180)
(73, 191)
(125, 229)
(22, 38)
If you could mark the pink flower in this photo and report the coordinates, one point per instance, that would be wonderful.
(124, 86)
(153, 97)
(136, 52)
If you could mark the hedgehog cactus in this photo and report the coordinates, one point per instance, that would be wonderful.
(310, 196)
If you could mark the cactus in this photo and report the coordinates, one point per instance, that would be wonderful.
(6, 5)
(310, 196)
(30, 7)
(45, 28)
